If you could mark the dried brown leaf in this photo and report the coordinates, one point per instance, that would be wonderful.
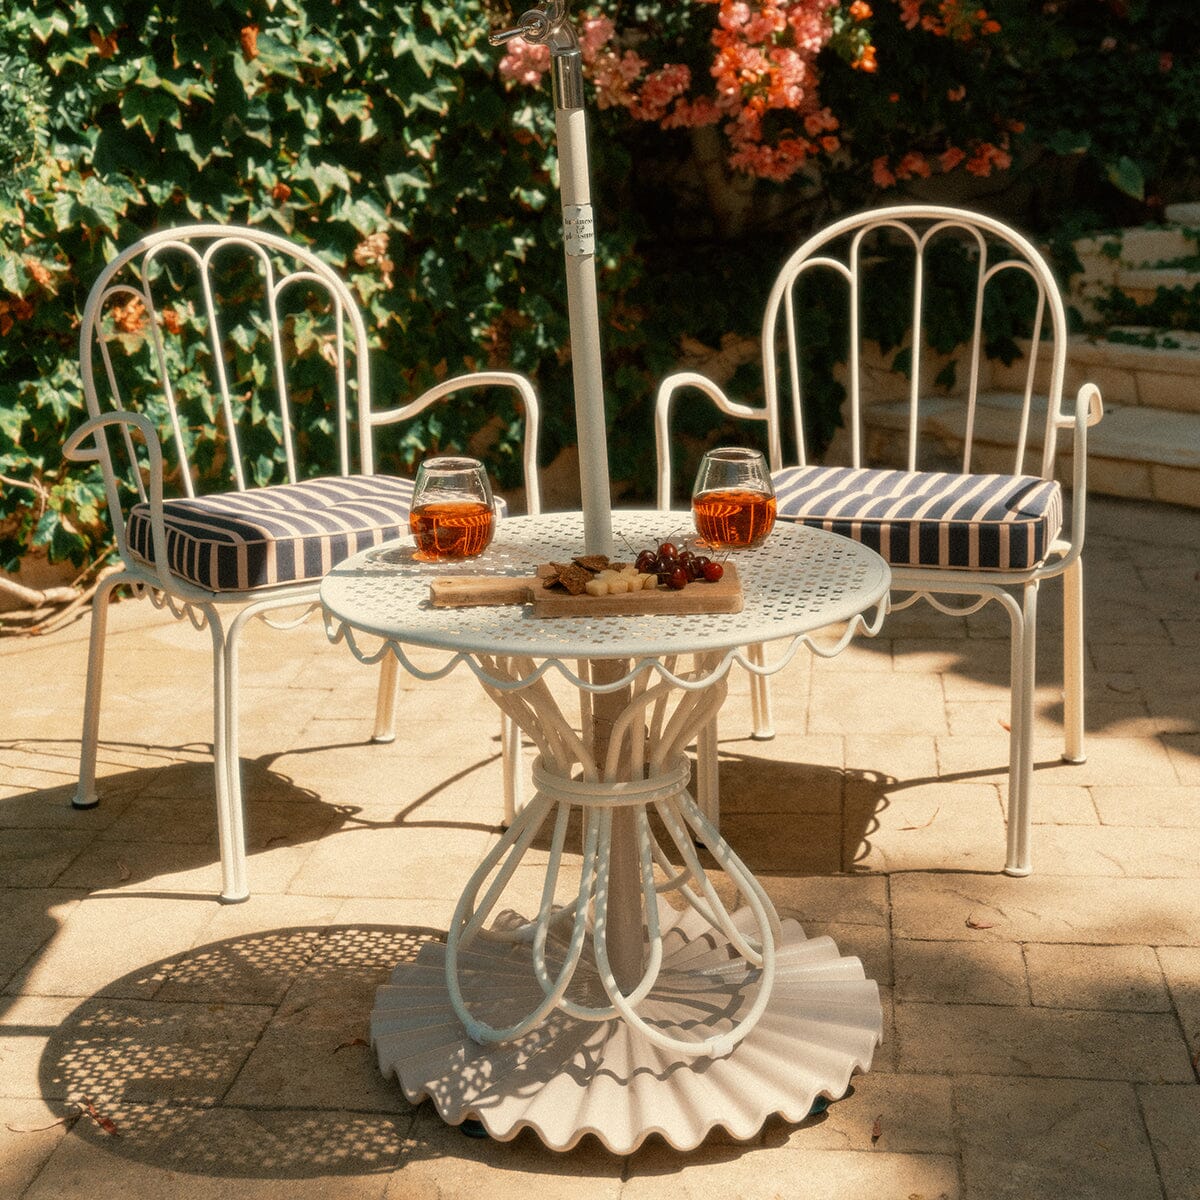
(1005, 725)
(877, 1129)
(106, 1123)
(972, 923)
(923, 825)
(123, 871)
(352, 1042)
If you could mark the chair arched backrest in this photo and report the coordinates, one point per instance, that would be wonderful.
(991, 254)
(171, 328)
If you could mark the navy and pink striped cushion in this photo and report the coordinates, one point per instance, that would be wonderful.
(289, 533)
(927, 518)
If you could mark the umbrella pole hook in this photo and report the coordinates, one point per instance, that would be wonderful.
(549, 25)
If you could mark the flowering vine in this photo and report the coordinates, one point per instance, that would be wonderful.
(763, 85)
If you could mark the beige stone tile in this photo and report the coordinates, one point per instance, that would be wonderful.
(143, 1052)
(324, 1023)
(1045, 908)
(249, 953)
(177, 869)
(1165, 806)
(968, 659)
(49, 807)
(1109, 761)
(419, 862)
(31, 917)
(1172, 1117)
(960, 972)
(177, 1153)
(808, 844)
(912, 1113)
(891, 703)
(440, 1163)
(1115, 978)
(861, 656)
(402, 781)
(38, 858)
(925, 826)
(1116, 850)
(114, 945)
(887, 757)
(789, 774)
(28, 1027)
(848, 899)
(1063, 804)
(765, 1174)
(408, 912)
(1052, 1137)
(30, 1130)
(1184, 752)
(1181, 966)
(995, 1040)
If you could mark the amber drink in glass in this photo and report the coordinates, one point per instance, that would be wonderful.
(733, 501)
(452, 514)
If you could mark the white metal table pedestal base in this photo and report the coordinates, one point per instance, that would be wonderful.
(569, 1077)
(642, 1004)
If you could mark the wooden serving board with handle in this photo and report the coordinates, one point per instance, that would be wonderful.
(468, 591)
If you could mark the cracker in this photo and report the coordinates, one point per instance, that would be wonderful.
(592, 562)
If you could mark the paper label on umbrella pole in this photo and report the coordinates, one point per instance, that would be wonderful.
(579, 234)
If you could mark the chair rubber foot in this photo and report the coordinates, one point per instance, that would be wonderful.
(1018, 872)
(473, 1129)
(85, 802)
(1082, 758)
(234, 899)
(767, 735)
(383, 739)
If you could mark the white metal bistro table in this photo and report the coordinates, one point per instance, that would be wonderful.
(634, 1000)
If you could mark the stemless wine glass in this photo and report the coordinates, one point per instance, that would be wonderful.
(452, 514)
(733, 500)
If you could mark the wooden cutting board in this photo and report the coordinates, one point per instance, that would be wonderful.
(469, 591)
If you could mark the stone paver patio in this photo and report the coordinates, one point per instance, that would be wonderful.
(1041, 1038)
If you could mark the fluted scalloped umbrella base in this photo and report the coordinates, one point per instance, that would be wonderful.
(570, 1077)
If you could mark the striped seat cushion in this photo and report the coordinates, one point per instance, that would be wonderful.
(273, 535)
(927, 518)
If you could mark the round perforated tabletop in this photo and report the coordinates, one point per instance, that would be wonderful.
(800, 580)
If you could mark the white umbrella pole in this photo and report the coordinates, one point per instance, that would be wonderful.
(549, 25)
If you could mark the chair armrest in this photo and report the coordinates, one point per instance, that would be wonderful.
(529, 401)
(1089, 410)
(662, 420)
(75, 451)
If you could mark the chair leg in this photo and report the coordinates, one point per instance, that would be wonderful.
(1020, 763)
(231, 830)
(1073, 644)
(762, 726)
(85, 792)
(385, 704)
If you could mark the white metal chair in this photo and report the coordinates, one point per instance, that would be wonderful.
(946, 533)
(240, 331)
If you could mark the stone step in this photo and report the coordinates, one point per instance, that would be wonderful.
(1164, 374)
(1187, 213)
(1136, 452)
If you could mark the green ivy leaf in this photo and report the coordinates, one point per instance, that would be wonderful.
(1126, 175)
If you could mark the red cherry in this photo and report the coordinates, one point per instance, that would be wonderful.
(645, 561)
(678, 579)
(668, 550)
(713, 571)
